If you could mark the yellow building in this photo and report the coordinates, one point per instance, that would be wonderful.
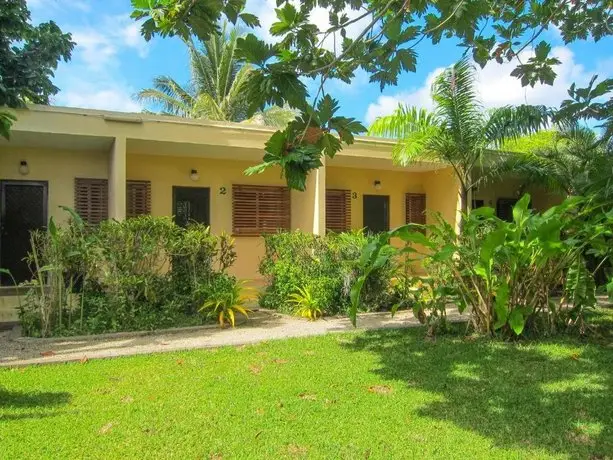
(114, 165)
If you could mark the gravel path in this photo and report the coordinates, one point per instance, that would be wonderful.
(262, 325)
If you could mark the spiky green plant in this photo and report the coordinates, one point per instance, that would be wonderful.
(459, 132)
(305, 304)
(226, 303)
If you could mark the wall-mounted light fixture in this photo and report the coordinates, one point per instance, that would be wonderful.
(24, 169)
(194, 175)
(377, 185)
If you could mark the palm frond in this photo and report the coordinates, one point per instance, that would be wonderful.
(235, 103)
(168, 103)
(458, 108)
(417, 146)
(217, 83)
(207, 107)
(202, 72)
(511, 122)
(228, 66)
(403, 121)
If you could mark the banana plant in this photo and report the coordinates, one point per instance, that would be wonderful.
(508, 273)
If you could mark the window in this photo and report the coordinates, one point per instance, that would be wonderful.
(338, 210)
(138, 198)
(91, 198)
(415, 208)
(260, 209)
(504, 208)
(478, 204)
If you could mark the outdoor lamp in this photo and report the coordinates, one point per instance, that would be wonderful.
(194, 175)
(24, 169)
(377, 185)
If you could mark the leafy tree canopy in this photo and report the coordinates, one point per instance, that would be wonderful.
(28, 58)
(385, 46)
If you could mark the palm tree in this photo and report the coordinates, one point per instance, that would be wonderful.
(459, 131)
(575, 162)
(216, 90)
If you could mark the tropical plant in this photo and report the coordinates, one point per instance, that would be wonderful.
(326, 265)
(225, 300)
(427, 297)
(142, 273)
(509, 274)
(28, 57)
(576, 162)
(384, 44)
(217, 87)
(305, 304)
(459, 132)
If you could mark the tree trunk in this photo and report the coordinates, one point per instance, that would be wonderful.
(464, 206)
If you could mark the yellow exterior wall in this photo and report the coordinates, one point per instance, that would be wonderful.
(361, 182)
(442, 195)
(58, 168)
(512, 188)
(439, 186)
(164, 172)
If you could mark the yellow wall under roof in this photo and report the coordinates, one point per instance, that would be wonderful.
(59, 168)
(439, 186)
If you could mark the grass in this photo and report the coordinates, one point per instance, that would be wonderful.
(379, 394)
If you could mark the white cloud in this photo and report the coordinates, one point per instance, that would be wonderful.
(108, 96)
(419, 97)
(98, 47)
(93, 78)
(496, 86)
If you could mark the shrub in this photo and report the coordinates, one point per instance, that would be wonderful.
(141, 273)
(325, 266)
(528, 276)
(306, 305)
(225, 298)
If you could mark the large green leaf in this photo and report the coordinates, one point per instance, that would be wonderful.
(491, 243)
(521, 210)
(287, 17)
(346, 128)
(326, 108)
(276, 144)
(501, 306)
(254, 50)
(517, 321)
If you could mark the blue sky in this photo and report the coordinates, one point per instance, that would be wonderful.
(111, 62)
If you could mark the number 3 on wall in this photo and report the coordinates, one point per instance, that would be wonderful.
(223, 191)
(354, 195)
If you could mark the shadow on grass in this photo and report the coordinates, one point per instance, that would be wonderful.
(556, 395)
(36, 405)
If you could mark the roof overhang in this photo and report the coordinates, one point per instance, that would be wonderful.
(94, 130)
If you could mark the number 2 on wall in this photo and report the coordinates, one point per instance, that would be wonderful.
(223, 191)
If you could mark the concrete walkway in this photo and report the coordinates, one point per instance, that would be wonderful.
(262, 325)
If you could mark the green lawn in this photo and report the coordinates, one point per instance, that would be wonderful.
(384, 394)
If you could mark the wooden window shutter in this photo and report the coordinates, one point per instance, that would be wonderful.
(138, 198)
(415, 207)
(338, 210)
(260, 209)
(91, 198)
